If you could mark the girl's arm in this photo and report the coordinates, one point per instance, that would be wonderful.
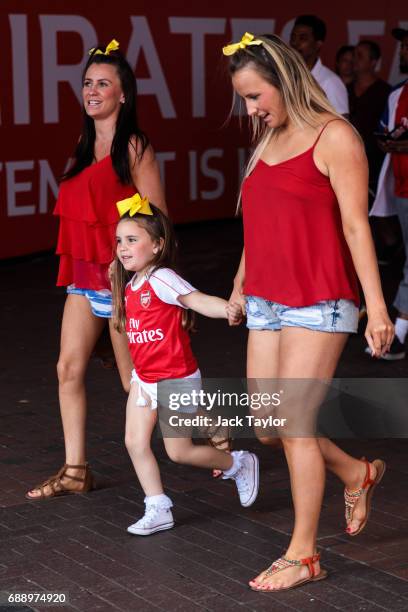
(211, 306)
(146, 175)
(343, 154)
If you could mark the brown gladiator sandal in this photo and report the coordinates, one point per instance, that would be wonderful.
(225, 444)
(351, 497)
(283, 563)
(55, 481)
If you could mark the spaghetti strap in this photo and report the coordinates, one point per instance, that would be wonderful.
(323, 128)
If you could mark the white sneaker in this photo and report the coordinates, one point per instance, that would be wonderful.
(154, 519)
(247, 479)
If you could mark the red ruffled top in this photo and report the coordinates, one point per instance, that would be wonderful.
(86, 206)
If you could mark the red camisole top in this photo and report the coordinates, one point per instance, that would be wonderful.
(88, 215)
(295, 250)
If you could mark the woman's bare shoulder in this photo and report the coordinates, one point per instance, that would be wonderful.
(138, 152)
(338, 127)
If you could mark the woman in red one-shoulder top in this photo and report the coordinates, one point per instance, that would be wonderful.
(306, 240)
(113, 158)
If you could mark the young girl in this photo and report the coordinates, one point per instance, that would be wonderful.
(151, 308)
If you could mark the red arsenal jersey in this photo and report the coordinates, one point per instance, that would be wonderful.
(159, 346)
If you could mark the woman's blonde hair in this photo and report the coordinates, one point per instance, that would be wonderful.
(284, 68)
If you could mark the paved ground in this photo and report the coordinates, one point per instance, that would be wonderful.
(79, 544)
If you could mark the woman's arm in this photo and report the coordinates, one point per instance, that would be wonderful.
(211, 306)
(146, 175)
(342, 152)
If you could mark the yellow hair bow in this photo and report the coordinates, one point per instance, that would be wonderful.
(134, 205)
(113, 46)
(247, 40)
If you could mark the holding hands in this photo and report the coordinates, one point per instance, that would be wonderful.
(236, 304)
(234, 313)
(379, 333)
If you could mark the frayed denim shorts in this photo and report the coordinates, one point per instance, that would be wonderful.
(327, 316)
(100, 301)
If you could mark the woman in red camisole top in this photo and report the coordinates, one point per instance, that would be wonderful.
(112, 157)
(306, 240)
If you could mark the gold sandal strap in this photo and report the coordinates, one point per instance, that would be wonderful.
(352, 496)
(281, 564)
(350, 500)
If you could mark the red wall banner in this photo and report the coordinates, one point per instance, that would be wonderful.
(184, 94)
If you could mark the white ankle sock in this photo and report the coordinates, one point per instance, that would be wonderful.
(401, 329)
(236, 464)
(161, 501)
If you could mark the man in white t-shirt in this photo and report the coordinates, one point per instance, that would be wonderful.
(307, 37)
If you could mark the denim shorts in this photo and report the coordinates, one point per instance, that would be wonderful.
(328, 315)
(100, 301)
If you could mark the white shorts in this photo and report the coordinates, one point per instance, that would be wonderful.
(150, 389)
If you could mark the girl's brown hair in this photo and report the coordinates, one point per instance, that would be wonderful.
(160, 230)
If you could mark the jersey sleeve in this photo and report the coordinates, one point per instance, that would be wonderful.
(168, 285)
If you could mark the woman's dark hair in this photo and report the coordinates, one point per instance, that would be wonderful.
(127, 128)
(160, 229)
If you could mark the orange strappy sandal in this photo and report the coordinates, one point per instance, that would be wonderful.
(351, 497)
(57, 488)
(283, 563)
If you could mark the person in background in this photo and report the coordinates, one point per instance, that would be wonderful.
(392, 192)
(345, 64)
(307, 37)
(367, 99)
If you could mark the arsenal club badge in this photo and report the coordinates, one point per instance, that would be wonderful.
(145, 299)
